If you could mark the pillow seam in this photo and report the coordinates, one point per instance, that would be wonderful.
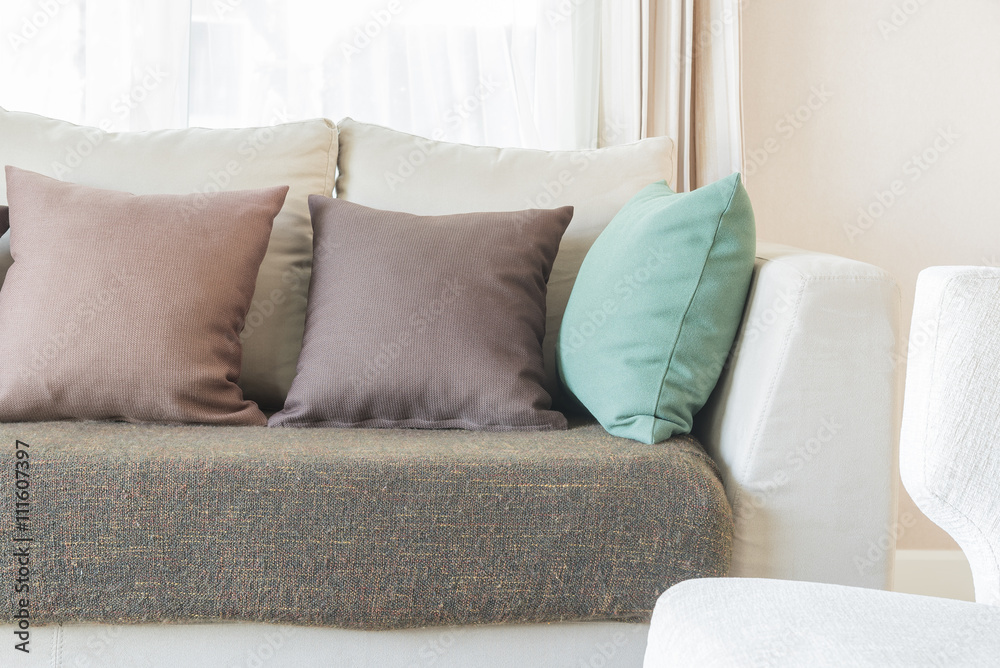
(687, 309)
(330, 184)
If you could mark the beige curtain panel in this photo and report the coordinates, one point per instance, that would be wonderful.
(672, 67)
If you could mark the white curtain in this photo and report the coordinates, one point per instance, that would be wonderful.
(115, 64)
(672, 67)
(503, 72)
(551, 74)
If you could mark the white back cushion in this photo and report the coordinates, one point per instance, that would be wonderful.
(301, 155)
(386, 169)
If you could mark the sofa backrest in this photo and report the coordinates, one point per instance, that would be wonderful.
(386, 169)
(378, 167)
(949, 450)
(300, 155)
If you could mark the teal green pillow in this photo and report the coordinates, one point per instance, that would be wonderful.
(656, 306)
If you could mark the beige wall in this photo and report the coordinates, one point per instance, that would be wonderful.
(873, 132)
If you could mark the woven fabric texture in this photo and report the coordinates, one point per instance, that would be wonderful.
(102, 318)
(360, 528)
(426, 321)
(387, 169)
(949, 452)
(744, 622)
(656, 307)
(301, 155)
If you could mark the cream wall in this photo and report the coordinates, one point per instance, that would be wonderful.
(872, 131)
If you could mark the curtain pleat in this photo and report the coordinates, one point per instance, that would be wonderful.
(621, 67)
(672, 68)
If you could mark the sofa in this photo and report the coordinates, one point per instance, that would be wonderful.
(949, 462)
(216, 545)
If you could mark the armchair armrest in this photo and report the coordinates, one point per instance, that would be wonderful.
(803, 422)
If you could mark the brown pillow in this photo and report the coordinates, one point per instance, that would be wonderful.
(121, 306)
(426, 321)
(4, 220)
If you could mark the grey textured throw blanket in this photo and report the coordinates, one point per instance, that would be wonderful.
(369, 529)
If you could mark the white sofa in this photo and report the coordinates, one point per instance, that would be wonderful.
(950, 464)
(802, 426)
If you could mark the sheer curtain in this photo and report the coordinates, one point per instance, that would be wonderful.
(672, 67)
(504, 72)
(551, 74)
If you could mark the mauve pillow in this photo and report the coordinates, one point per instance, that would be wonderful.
(301, 155)
(130, 307)
(426, 321)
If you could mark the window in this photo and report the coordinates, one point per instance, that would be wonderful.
(503, 72)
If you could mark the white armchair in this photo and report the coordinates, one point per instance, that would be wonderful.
(951, 428)
(950, 462)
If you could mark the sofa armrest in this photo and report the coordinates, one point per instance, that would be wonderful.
(803, 422)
